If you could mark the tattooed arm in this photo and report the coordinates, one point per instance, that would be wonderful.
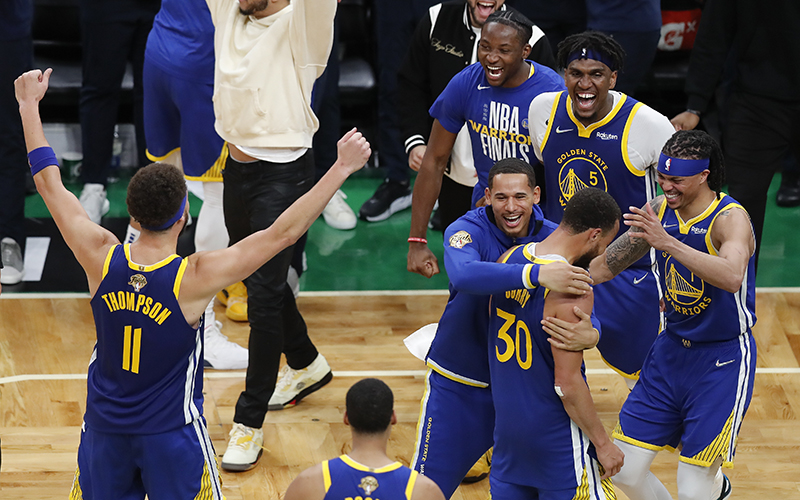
(623, 252)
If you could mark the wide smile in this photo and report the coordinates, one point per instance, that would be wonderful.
(512, 220)
(484, 9)
(493, 73)
(585, 101)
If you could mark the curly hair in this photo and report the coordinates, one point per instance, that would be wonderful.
(155, 193)
(698, 145)
(591, 208)
(514, 19)
(369, 404)
(594, 41)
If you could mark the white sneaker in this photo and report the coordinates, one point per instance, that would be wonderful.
(338, 213)
(94, 201)
(244, 448)
(294, 385)
(14, 264)
(219, 353)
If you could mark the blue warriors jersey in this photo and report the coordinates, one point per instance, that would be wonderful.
(696, 310)
(577, 157)
(472, 245)
(182, 40)
(536, 443)
(496, 117)
(346, 479)
(145, 375)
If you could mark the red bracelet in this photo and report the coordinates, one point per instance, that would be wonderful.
(417, 240)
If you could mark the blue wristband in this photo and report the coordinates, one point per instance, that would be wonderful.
(41, 158)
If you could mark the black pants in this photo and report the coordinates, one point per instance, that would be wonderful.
(255, 195)
(109, 42)
(15, 58)
(759, 133)
(454, 200)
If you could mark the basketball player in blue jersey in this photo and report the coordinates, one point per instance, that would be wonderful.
(491, 98)
(366, 471)
(456, 413)
(591, 136)
(144, 431)
(549, 442)
(178, 80)
(697, 380)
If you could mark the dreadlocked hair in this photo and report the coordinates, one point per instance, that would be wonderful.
(591, 40)
(698, 145)
(514, 19)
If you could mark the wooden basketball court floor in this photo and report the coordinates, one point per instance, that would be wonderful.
(46, 340)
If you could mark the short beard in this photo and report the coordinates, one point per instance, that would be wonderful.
(584, 260)
(263, 4)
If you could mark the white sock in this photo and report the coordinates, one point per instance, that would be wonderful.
(635, 478)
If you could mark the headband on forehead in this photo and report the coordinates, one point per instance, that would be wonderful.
(678, 167)
(585, 53)
(172, 219)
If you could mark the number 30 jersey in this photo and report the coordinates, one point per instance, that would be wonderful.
(145, 374)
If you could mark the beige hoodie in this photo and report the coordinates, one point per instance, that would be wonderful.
(265, 70)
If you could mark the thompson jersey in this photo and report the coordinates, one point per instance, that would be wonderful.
(576, 157)
(536, 443)
(496, 117)
(344, 478)
(472, 245)
(182, 40)
(696, 310)
(145, 375)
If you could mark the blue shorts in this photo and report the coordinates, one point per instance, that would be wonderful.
(179, 114)
(174, 464)
(628, 310)
(455, 429)
(590, 489)
(691, 393)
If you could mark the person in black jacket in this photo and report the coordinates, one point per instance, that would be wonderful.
(444, 43)
(761, 112)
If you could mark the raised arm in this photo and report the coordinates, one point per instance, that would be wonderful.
(87, 240)
(209, 272)
(731, 233)
(426, 189)
(572, 389)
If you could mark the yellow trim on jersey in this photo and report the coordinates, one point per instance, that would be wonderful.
(454, 376)
(717, 448)
(663, 208)
(618, 434)
(154, 158)
(684, 226)
(625, 133)
(533, 70)
(412, 479)
(632, 376)
(76, 493)
(214, 173)
(504, 258)
(152, 267)
(176, 288)
(709, 243)
(326, 475)
(357, 466)
(107, 262)
(586, 132)
(550, 122)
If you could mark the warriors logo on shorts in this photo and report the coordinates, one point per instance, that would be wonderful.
(137, 282)
(460, 239)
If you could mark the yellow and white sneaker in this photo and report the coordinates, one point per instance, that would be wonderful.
(294, 385)
(244, 448)
(234, 298)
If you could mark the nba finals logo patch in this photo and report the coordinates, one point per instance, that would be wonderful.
(460, 239)
(368, 484)
(137, 282)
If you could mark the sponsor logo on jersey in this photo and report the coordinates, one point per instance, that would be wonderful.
(607, 137)
(137, 282)
(560, 130)
(460, 239)
(698, 230)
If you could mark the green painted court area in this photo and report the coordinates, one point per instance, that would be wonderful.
(373, 255)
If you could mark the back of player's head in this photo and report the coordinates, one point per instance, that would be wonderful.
(512, 166)
(514, 19)
(370, 404)
(156, 194)
(592, 45)
(698, 145)
(591, 208)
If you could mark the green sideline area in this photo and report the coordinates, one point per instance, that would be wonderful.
(373, 255)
